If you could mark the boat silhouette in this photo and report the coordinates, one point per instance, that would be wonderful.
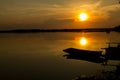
(87, 55)
(111, 53)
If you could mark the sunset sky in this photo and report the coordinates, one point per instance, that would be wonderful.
(44, 14)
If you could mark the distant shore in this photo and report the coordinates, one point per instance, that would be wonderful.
(115, 29)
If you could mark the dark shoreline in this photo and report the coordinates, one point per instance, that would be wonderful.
(108, 30)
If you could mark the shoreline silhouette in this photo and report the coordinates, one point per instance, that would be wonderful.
(108, 30)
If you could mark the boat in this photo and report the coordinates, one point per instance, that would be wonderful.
(111, 53)
(87, 55)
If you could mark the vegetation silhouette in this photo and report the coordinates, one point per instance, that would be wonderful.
(108, 30)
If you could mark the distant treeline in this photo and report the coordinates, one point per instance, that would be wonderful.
(116, 29)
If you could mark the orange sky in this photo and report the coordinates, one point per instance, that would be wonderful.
(58, 14)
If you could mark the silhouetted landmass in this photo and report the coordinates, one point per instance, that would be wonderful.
(108, 30)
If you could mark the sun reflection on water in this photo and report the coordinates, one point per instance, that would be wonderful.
(83, 41)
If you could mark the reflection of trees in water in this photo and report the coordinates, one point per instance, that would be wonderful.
(102, 75)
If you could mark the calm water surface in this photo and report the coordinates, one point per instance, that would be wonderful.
(39, 56)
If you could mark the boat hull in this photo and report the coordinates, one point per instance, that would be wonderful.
(87, 55)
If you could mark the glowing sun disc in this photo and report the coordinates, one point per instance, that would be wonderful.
(83, 17)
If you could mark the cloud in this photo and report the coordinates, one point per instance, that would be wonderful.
(55, 14)
(57, 22)
(99, 11)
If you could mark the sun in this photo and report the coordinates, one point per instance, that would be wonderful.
(83, 41)
(83, 16)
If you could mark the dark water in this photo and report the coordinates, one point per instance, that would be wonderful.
(39, 56)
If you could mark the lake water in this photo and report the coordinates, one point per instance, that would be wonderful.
(39, 56)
